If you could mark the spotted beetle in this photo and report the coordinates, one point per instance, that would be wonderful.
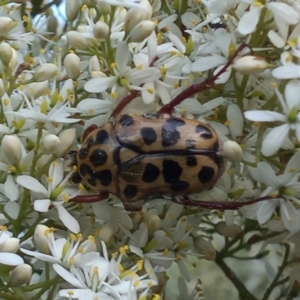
(138, 158)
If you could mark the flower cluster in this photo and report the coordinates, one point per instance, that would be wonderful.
(232, 64)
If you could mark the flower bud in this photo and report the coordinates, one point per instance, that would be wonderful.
(106, 233)
(11, 245)
(6, 25)
(153, 223)
(12, 147)
(96, 74)
(45, 72)
(141, 31)
(230, 231)
(248, 65)
(52, 24)
(6, 53)
(76, 40)
(51, 143)
(1, 88)
(100, 30)
(72, 64)
(40, 238)
(21, 274)
(94, 64)
(67, 140)
(232, 151)
(72, 9)
(135, 15)
(104, 8)
(36, 89)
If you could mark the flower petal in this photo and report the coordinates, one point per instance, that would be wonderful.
(274, 140)
(31, 184)
(67, 219)
(249, 20)
(264, 116)
(10, 259)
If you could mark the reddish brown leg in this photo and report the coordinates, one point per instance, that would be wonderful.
(90, 198)
(196, 88)
(226, 205)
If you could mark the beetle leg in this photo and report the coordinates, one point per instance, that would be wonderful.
(225, 205)
(90, 198)
(199, 87)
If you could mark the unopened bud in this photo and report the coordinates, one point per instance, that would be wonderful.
(72, 64)
(232, 151)
(52, 24)
(106, 232)
(248, 65)
(40, 238)
(37, 89)
(12, 147)
(11, 245)
(6, 53)
(1, 88)
(21, 274)
(72, 9)
(100, 30)
(96, 74)
(6, 25)
(104, 8)
(51, 143)
(94, 64)
(76, 40)
(230, 231)
(67, 140)
(141, 31)
(135, 15)
(153, 223)
(45, 72)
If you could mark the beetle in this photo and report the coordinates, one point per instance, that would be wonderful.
(142, 157)
(138, 158)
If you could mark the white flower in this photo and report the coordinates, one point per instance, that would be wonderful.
(290, 117)
(125, 77)
(67, 252)
(285, 190)
(9, 245)
(104, 279)
(56, 194)
(282, 13)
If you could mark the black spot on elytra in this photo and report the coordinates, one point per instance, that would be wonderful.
(171, 171)
(204, 132)
(179, 186)
(130, 191)
(101, 137)
(126, 121)
(76, 178)
(149, 135)
(84, 170)
(151, 173)
(169, 133)
(98, 157)
(190, 144)
(83, 153)
(206, 174)
(191, 161)
(105, 177)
